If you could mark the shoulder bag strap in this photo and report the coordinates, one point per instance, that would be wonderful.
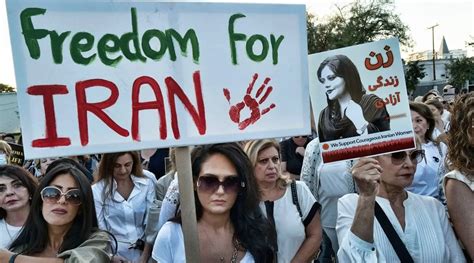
(397, 243)
(294, 195)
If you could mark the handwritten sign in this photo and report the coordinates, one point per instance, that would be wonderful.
(114, 76)
(360, 101)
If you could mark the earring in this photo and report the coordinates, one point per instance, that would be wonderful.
(30, 197)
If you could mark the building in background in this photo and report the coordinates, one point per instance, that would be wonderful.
(442, 58)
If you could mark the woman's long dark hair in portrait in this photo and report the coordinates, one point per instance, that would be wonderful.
(34, 238)
(252, 229)
(343, 67)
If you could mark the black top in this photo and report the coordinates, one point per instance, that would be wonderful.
(331, 126)
(293, 160)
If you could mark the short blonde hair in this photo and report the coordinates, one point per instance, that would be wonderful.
(255, 147)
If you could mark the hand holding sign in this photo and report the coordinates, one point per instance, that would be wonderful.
(251, 103)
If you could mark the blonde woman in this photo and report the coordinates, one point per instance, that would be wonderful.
(298, 230)
(5, 152)
(459, 183)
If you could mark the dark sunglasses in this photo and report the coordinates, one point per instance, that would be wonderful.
(52, 194)
(416, 156)
(210, 184)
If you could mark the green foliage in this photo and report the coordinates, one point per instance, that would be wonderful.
(357, 23)
(413, 72)
(460, 70)
(4, 88)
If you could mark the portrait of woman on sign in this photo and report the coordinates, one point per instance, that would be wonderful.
(350, 111)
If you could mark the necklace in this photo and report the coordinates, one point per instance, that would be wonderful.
(222, 258)
(233, 259)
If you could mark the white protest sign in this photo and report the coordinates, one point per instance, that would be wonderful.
(360, 102)
(113, 76)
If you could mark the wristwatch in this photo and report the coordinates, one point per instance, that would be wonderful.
(362, 129)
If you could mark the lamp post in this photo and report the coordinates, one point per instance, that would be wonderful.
(432, 37)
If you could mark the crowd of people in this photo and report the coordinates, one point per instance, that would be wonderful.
(256, 201)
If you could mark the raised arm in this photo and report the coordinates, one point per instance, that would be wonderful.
(355, 221)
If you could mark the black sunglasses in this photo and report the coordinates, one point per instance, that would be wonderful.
(52, 195)
(210, 184)
(416, 156)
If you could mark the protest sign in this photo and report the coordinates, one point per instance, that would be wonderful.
(360, 102)
(99, 76)
(17, 157)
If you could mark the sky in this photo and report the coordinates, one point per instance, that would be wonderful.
(455, 19)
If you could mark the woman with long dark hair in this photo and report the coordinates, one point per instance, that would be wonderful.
(122, 198)
(17, 187)
(427, 179)
(231, 227)
(350, 111)
(61, 226)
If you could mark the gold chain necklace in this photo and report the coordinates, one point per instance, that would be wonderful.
(233, 259)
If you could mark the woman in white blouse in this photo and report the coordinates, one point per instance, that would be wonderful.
(420, 221)
(122, 197)
(298, 234)
(17, 186)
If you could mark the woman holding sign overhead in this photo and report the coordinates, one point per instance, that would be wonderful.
(350, 111)
(386, 223)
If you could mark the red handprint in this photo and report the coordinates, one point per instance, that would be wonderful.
(251, 103)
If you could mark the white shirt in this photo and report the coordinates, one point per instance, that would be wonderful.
(446, 116)
(8, 233)
(428, 235)
(289, 227)
(430, 171)
(125, 219)
(170, 203)
(169, 245)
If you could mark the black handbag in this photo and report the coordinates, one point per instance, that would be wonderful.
(397, 243)
(325, 253)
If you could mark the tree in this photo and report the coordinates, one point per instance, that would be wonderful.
(460, 70)
(413, 72)
(6, 88)
(357, 23)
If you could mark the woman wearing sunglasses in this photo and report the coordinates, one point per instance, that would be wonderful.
(16, 189)
(61, 226)
(427, 179)
(459, 183)
(122, 198)
(420, 222)
(298, 229)
(230, 226)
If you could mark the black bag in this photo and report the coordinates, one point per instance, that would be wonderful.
(397, 243)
